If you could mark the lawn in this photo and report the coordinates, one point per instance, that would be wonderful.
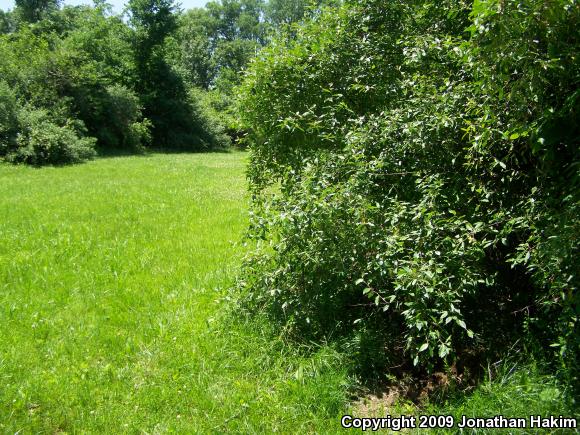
(113, 277)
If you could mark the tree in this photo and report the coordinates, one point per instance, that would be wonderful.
(220, 40)
(280, 12)
(194, 56)
(177, 121)
(153, 21)
(285, 11)
(72, 71)
(213, 46)
(32, 11)
(160, 90)
(7, 23)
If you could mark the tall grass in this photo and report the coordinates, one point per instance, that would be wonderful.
(512, 390)
(114, 314)
(112, 279)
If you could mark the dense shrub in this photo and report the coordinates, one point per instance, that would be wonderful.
(415, 165)
(122, 125)
(8, 118)
(214, 134)
(219, 107)
(40, 141)
(29, 135)
(70, 75)
(82, 63)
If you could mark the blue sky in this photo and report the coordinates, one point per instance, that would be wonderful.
(117, 4)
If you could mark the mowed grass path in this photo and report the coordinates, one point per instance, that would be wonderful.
(112, 282)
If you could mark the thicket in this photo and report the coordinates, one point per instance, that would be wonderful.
(89, 81)
(69, 76)
(154, 76)
(415, 180)
(29, 135)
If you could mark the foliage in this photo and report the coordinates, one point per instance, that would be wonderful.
(286, 11)
(416, 166)
(74, 64)
(279, 13)
(34, 10)
(29, 135)
(7, 23)
(85, 64)
(176, 121)
(8, 118)
(192, 53)
(96, 51)
(122, 125)
(210, 50)
(41, 141)
(153, 21)
(219, 107)
(214, 45)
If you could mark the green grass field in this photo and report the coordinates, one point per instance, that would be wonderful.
(112, 280)
(114, 317)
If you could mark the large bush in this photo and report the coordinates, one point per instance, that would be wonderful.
(40, 141)
(122, 125)
(29, 135)
(415, 166)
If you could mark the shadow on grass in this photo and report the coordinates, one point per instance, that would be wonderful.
(375, 348)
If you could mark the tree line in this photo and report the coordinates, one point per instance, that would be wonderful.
(77, 80)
